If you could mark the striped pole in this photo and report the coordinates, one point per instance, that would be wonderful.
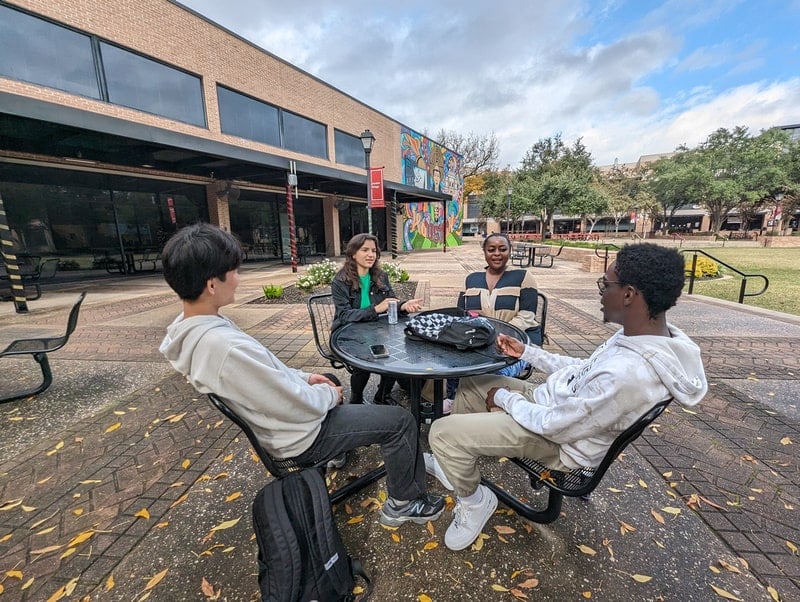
(12, 263)
(292, 232)
(393, 225)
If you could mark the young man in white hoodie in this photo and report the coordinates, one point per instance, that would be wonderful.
(571, 419)
(294, 414)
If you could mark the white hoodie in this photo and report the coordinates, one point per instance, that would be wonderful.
(284, 411)
(584, 404)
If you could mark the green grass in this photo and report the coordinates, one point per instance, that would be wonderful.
(780, 266)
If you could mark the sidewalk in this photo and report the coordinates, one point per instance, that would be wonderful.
(119, 433)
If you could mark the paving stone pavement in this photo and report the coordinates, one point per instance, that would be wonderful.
(118, 434)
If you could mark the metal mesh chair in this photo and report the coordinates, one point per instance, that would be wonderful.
(39, 348)
(322, 311)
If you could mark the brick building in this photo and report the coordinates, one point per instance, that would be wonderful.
(122, 120)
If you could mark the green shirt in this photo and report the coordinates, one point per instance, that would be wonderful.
(365, 282)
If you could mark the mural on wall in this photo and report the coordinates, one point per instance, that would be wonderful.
(431, 166)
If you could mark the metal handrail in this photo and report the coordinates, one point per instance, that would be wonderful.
(606, 247)
(742, 288)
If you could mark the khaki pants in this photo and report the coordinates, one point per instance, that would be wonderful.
(470, 432)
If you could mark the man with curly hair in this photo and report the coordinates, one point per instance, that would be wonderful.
(571, 419)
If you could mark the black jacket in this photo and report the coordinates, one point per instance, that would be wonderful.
(347, 300)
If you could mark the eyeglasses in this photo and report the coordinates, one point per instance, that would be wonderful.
(602, 283)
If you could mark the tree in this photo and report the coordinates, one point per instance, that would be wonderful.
(480, 152)
(555, 176)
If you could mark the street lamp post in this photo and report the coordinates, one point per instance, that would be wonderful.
(508, 211)
(367, 140)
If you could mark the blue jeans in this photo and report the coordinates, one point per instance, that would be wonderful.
(393, 428)
(514, 370)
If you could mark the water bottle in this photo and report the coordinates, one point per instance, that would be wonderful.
(392, 312)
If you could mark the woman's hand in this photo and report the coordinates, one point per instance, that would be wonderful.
(510, 346)
(411, 306)
(383, 306)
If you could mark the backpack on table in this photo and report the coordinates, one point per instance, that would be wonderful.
(301, 556)
(446, 329)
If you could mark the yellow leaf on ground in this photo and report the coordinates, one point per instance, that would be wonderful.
(177, 418)
(672, 510)
(226, 525)
(109, 585)
(430, 545)
(45, 531)
(77, 511)
(27, 584)
(46, 550)
(587, 550)
(6, 537)
(499, 588)
(424, 598)
(429, 527)
(786, 441)
(179, 500)
(14, 574)
(355, 520)
(792, 547)
(228, 458)
(642, 484)
(234, 496)
(586, 595)
(641, 578)
(774, 593)
(29, 508)
(113, 427)
(10, 504)
(625, 528)
(91, 481)
(727, 595)
(395, 538)
(80, 538)
(143, 513)
(505, 530)
(730, 567)
(69, 552)
(185, 464)
(155, 580)
(162, 524)
(614, 490)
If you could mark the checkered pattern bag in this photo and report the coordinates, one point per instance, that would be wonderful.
(460, 332)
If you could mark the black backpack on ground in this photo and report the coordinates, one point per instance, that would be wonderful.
(301, 556)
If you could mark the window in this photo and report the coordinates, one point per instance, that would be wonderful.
(141, 83)
(41, 52)
(349, 149)
(248, 118)
(304, 136)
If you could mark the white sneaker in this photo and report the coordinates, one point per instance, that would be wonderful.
(469, 520)
(432, 468)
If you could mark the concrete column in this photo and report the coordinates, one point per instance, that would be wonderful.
(330, 219)
(218, 209)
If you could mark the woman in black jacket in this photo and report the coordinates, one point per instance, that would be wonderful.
(361, 291)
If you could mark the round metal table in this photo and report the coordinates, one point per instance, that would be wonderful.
(417, 359)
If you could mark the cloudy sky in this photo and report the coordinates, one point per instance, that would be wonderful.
(631, 77)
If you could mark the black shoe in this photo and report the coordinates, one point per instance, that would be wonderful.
(421, 510)
(387, 400)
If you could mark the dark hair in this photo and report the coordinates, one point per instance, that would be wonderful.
(197, 253)
(657, 272)
(349, 271)
(496, 235)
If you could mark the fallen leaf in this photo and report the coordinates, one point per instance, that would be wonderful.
(113, 427)
(46, 550)
(226, 524)
(109, 584)
(429, 527)
(77, 511)
(519, 594)
(641, 578)
(27, 584)
(162, 524)
(14, 574)
(177, 418)
(499, 588)
(786, 441)
(792, 547)
(774, 594)
(185, 464)
(587, 550)
(356, 519)
(10, 504)
(45, 531)
(143, 513)
(614, 490)
(586, 595)
(395, 538)
(625, 528)
(672, 510)
(727, 595)
(730, 567)
(505, 530)
(6, 537)
(528, 583)
(430, 546)
(156, 579)
(80, 538)
(234, 496)
(642, 484)
(90, 481)
(424, 598)
(179, 500)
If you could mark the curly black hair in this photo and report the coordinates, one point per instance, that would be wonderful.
(656, 272)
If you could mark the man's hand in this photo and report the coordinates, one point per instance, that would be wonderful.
(321, 379)
(411, 306)
(491, 406)
(510, 346)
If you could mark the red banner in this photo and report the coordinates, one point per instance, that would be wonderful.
(376, 187)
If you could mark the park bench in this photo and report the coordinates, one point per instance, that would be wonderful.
(39, 348)
(576, 483)
(150, 258)
(279, 468)
(544, 254)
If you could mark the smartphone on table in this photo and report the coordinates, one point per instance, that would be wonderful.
(379, 351)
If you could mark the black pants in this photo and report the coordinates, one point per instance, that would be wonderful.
(359, 380)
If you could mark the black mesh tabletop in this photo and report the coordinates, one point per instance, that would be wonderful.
(408, 357)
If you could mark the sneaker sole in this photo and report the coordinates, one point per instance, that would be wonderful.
(396, 521)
